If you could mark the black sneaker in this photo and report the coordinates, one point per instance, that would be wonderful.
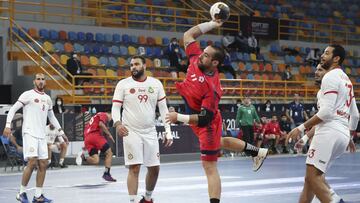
(63, 165)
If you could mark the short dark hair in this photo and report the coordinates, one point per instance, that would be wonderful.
(219, 54)
(338, 51)
(139, 57)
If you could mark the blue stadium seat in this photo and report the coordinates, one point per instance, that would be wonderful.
(157, 52)
(116, 38)
(123, 51)
(54, 35)
(104, 49)
(89, 37)
(112, 61)
(78, 48)
(72, 36)
(87, 48)
(96, 49)
(125, 38)
(81, 36)
(165, 62)
(148, 51)
(248, 67)
(104, 61)
(165, 41)
(99, 37)
(133, 39)
(44, 34)
(108, 37)
(203, 43)
(58, 47)
(115, 50)
(239, 56)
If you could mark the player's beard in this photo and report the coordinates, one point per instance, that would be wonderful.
(326, 64)
(40, 87)
(137, 73)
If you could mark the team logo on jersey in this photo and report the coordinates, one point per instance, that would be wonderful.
(130, 156)
(132, 90)
(36, 100)
(151, 90)
(201, 79)
(142, 90)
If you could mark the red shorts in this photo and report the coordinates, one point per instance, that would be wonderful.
(94, 141)
(209, 138)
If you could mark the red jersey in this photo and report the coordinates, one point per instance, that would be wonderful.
(93, 125)
(199, 89)
(272, 128)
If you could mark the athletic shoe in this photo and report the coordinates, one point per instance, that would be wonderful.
(63, 165)
(22, 197)
(41, 199)
(79, 158)
(108, 177)
(144, 201)
(259, 159)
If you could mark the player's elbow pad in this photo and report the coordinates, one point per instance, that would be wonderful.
(205, 117)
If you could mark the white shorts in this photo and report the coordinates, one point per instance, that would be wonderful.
(55, 147)
(141, 149)
(326, 146)
(34, 147)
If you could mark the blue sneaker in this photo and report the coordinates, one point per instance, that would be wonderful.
(41, 199)
(22, 197)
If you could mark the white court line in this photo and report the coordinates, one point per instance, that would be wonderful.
(284, 190)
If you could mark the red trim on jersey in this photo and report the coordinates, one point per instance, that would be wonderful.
(140, 80)
(21, 102)
(37, 91)
(162, 98)
(118, 101)
(330, 92)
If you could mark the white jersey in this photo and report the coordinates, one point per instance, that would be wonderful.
(35, 112)
(139, 101)
(51, 135)
(338, 84)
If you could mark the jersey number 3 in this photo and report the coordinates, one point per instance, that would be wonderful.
(348, 102)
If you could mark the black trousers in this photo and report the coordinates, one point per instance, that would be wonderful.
(248, 134)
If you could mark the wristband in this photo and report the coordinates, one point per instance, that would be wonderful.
(183, 118)
(305, 138)
(8, 125)
(301, 127)
(207, 26)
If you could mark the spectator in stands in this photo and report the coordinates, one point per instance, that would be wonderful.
(226, 66)
(59, 146)
(285, 127)
(313, 57)
(258, 130)
(245, 118)
(268, 109)
(235, 43)
(73, 65)
(272, 134)
(253, 44)
(174, 55)
(296, 112)
(59, 106)
(287, 75)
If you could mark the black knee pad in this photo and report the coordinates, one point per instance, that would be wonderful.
(105, 147)
(93, 151)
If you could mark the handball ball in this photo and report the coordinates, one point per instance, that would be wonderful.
(220, 11)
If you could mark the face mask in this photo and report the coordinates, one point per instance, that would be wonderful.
(58, 103)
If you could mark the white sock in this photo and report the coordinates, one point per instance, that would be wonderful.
(61, 161)
(49, 161)
(38, 192)
(132, 198)
(148, 195)
(22, 189)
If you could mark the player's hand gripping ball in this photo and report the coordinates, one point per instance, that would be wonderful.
(220, 11)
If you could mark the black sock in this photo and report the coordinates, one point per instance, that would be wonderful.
(214, 200)
(107, 170)
(251, 150)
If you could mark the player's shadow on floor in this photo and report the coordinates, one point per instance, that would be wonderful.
(91, 186)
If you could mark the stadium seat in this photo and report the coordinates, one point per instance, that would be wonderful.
(54, 35)
(33, 33)
(142, 40)
(72, 36)
(121, 62)
(56, 57)
(68, 47)
(81, 36)
(99, 37)
(115, 50)
(103, 61)
(44, 34)
(89, 37)
(63, 59)
(101, 72)
(108, 38)
(132, 50)
(48, 46)
(62, 35)
(84, 60)
(58, 47)
(111, 73)
(78, 48)
(94, 61)
(149, 63)
(113, 62)
(116, 38)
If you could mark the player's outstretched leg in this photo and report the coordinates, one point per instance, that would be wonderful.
(237, 145)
